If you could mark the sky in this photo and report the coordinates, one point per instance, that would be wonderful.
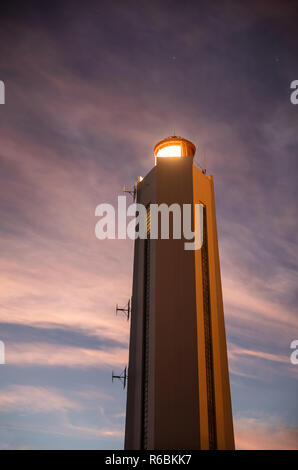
(90, 87)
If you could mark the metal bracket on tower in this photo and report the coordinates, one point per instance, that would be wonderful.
(122, 377)
(126, 310)
(132, 192)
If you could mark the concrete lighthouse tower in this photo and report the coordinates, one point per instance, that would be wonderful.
(178, 382)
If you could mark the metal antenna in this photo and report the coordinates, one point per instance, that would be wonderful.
(203, 168)
(205, 161)
(126, 310)
(122, 377)
(132, 192)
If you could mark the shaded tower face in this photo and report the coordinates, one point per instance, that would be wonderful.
(178, 382)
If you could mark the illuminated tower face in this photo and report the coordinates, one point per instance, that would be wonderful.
(178, 382)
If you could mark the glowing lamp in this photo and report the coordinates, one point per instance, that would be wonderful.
(169, 151)
(174, 147)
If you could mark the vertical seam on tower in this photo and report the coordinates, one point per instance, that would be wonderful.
(208, 338)
(146, 333)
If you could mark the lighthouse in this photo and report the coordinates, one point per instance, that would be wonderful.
(178, 394)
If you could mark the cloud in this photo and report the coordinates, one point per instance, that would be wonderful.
(259, 365)
(64, 428)
(51, 355)
(81, 120)
(264, 434)
(7, 446)
(64, 414)
(32, 399)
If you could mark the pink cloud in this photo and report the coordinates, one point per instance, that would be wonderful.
(32, 399)
(264, 434)
(248, 363)
(43, 354)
